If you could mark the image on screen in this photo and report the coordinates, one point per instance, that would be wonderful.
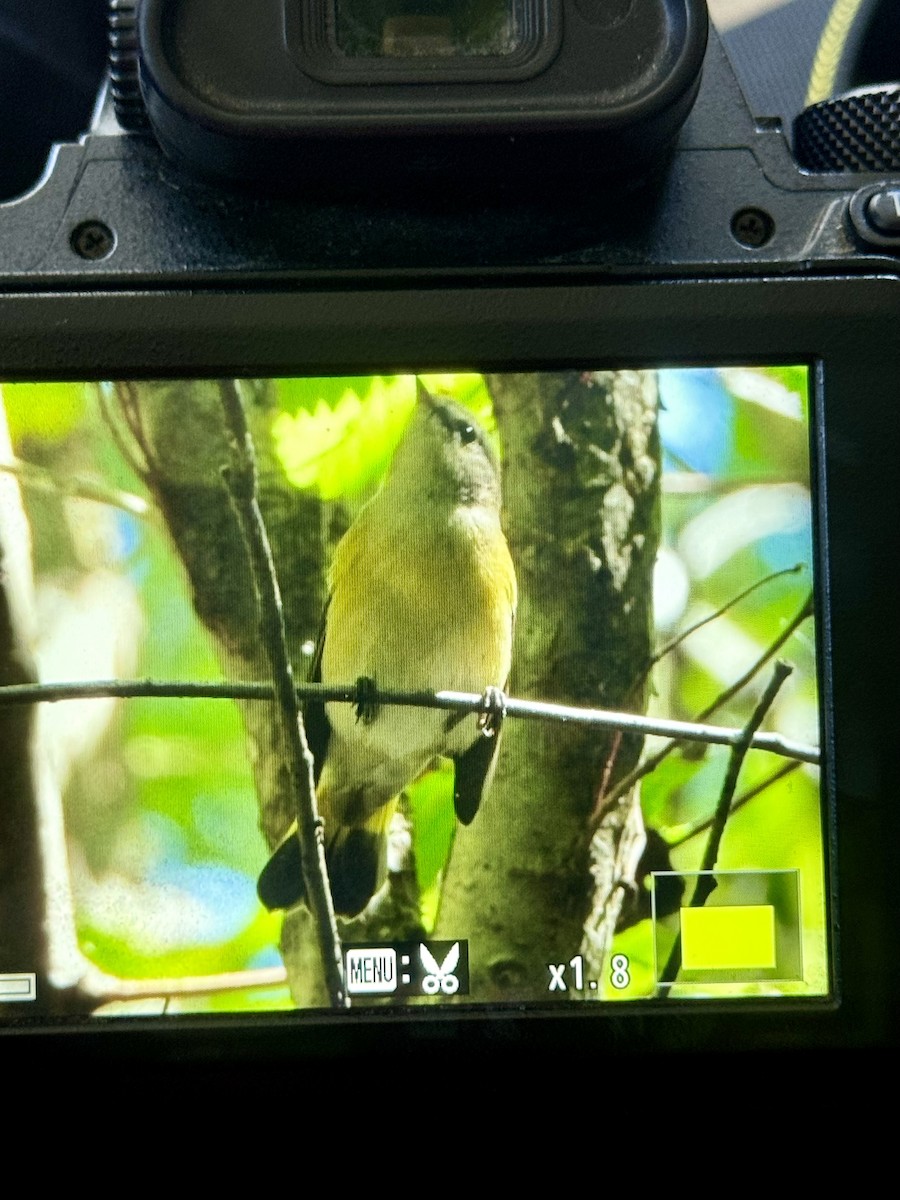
(571, 754)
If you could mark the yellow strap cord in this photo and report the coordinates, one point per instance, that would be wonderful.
(830, 49)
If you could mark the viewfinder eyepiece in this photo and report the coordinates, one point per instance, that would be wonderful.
(394, 92)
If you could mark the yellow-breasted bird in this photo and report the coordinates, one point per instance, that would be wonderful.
(422, 597)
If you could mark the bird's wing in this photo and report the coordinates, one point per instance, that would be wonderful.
(280, 884)
(474, 768)
(472, 775)
(315, 721)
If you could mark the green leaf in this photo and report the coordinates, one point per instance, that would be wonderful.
(345, 447)
(434, 824)
(49, 411)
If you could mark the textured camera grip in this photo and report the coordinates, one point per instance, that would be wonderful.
(859, 131)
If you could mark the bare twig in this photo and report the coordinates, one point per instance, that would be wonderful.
(676, 641)
(104, 989)
(40, 479)
(668, 648)
(127, 393)
(652, 761)
(679, 731)
(735, 761)
(691, 483)
(241, 481)
(706, 882)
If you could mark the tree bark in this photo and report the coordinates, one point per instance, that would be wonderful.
(581, 493)
(175, 434)
(177, 440)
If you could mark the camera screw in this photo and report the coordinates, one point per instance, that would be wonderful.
(92, 240)
(752, 227)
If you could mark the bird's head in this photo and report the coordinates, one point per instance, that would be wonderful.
(445, 456)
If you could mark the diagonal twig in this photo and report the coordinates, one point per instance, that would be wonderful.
(706, 882)
(676, 641)
(668, 647)
(240, 478)
(652, 761)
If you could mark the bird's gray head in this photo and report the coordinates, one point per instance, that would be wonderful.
(445, 456)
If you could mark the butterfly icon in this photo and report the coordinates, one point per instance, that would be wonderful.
(440, 976)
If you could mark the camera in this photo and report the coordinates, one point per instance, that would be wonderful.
(289, 227)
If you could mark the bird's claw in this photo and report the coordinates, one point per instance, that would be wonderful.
(366, 700)
(493, 710)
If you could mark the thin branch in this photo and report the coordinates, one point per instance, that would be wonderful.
(241, 481)
(101, 988)
(652, 761)
(127, 394)
(786, 634)
(676, 641)
(706, 881)
(735, 761)
(679, 731)
(668, 648)
(40, 479)
(691, 483)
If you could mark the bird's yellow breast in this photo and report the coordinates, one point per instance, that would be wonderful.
(430, 610)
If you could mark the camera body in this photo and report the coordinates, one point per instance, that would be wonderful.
(729, 198)
(129, 261)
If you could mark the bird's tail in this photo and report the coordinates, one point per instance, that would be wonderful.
(353, 857)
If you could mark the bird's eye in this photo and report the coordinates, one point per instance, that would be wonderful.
(466, 433)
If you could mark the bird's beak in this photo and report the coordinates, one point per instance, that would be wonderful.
(423, 396)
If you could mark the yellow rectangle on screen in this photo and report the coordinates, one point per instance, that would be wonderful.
(729, 937)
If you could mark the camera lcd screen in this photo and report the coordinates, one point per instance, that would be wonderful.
(629, 558)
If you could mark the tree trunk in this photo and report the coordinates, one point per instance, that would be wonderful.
(581, 493)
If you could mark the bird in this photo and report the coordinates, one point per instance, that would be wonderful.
(422, 597)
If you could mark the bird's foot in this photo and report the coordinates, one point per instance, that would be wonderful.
(366, 700)
(493, 710)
